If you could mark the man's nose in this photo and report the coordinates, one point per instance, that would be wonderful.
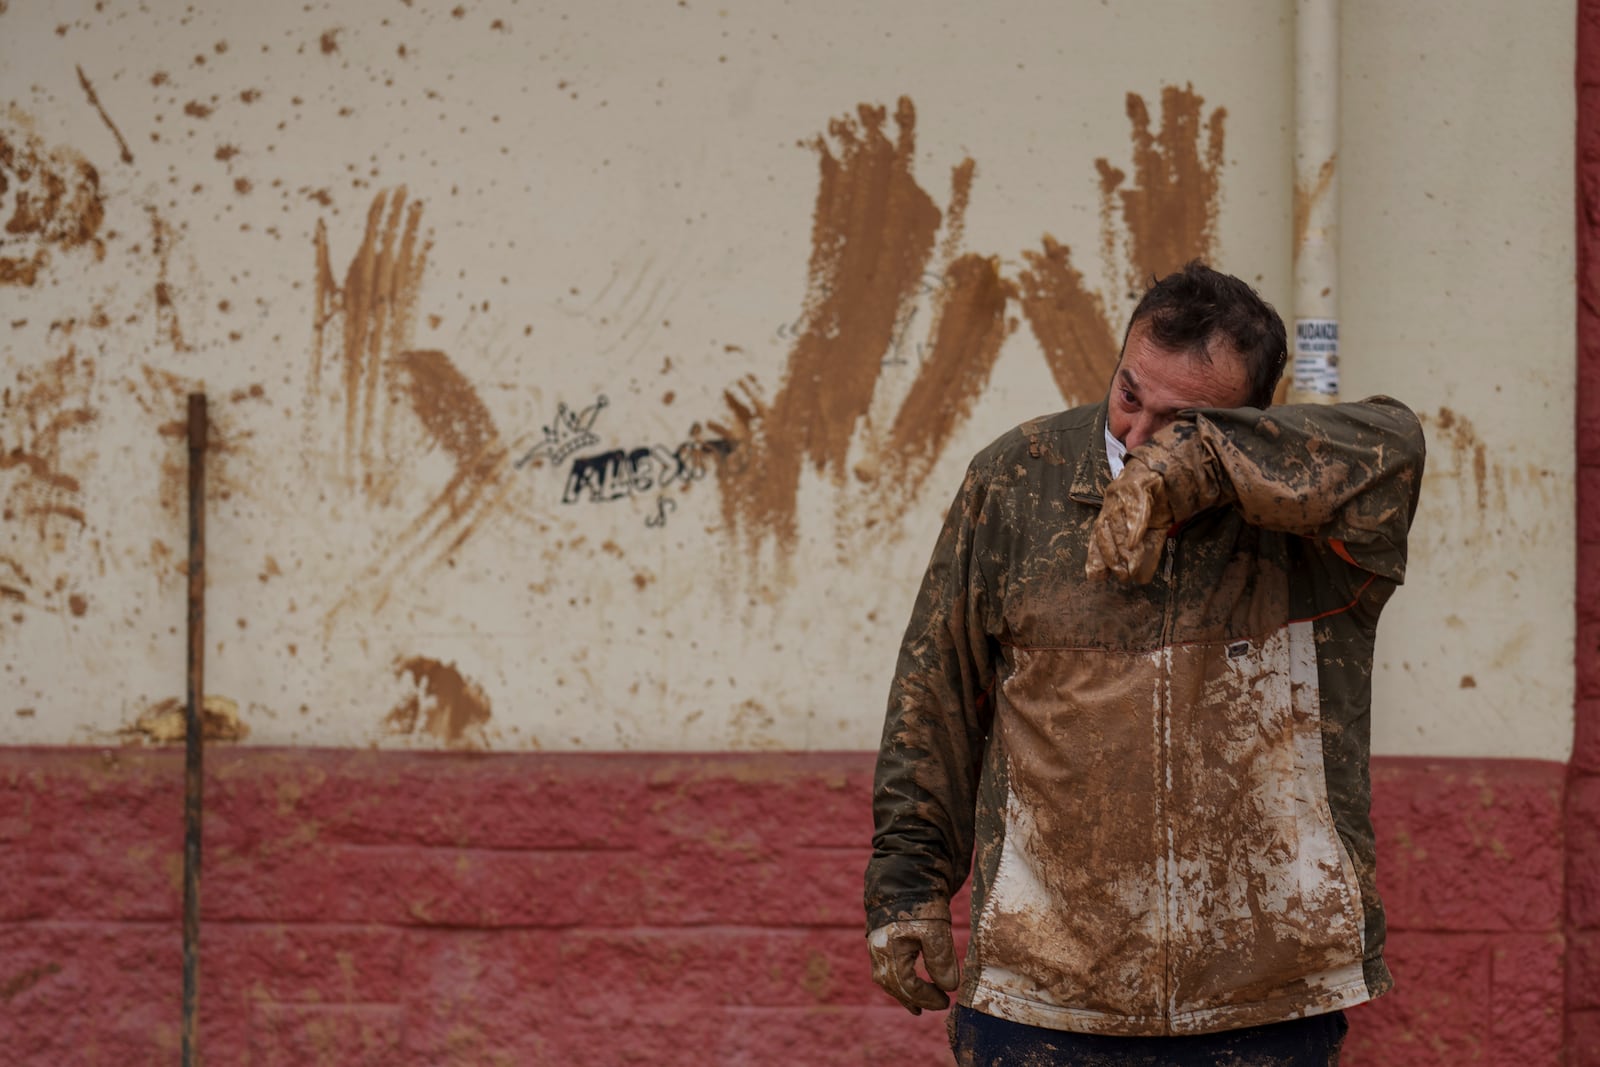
(1144, 427)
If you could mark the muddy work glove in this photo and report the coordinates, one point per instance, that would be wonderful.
(1132, 527)
(895, 948)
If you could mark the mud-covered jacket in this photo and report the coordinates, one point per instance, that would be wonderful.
(1166, 785)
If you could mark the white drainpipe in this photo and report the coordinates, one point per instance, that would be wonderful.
(1314, 339)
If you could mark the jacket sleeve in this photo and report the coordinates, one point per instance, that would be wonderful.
(935, 730)
(1345, 475)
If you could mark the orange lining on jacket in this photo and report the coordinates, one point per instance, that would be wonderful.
(1353, 600)
(1343, 552)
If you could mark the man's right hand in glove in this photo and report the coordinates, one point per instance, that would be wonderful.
(895, 948)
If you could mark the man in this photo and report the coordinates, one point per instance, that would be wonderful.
(1137, 682)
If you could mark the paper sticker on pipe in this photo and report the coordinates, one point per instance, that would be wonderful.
(1316, 356)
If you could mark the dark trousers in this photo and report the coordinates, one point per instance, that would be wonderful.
(980, 1040)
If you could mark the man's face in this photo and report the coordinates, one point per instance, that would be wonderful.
(1152, 384)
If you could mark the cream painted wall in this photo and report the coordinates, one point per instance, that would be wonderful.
(1459, 297)
(619, 204)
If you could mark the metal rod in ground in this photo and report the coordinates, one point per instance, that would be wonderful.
(194, 731)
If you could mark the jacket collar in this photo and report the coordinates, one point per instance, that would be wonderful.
(1093, 472)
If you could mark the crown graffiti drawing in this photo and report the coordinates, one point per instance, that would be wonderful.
(570, 431)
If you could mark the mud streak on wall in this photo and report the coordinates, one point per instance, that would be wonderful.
(873, 236)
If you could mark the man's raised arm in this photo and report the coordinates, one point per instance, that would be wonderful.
(1346, 475)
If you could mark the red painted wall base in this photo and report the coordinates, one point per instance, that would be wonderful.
(367, 907)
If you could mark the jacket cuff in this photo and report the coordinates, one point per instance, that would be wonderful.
(900, 911)
(1188, 474)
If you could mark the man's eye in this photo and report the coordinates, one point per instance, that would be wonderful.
(1129, 399)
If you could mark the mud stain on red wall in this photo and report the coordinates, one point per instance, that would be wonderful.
(444, 704)
(49, 198)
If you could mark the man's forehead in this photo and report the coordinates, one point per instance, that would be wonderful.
(1216, 377)
(1217, 346)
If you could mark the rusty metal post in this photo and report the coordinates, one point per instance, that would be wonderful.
(194, 729)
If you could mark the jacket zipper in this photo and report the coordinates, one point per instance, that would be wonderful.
(1169, 572)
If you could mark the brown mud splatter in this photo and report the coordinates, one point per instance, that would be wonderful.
(371, 315)
(1493, 492)
(1306, 198)
(1464, 457)
(1070, 322)
(1167, 217)
(1169, 214)
(395, 401)
(970, 327)
(49, 198)
(94, 101)
(444, 704)
(873, 232)
(451, 412)
(38, 414)
(14, 581)
(448, 406)
(163, 397)
(161, 243)
(166, 723)
(955, 219)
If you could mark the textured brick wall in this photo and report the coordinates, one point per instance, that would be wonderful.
(384, 908)
(1583, 791)
(361, 908)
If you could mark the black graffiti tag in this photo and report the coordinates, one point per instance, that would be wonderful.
(624, 473)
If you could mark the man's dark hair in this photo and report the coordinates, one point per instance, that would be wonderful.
(1190, 309)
